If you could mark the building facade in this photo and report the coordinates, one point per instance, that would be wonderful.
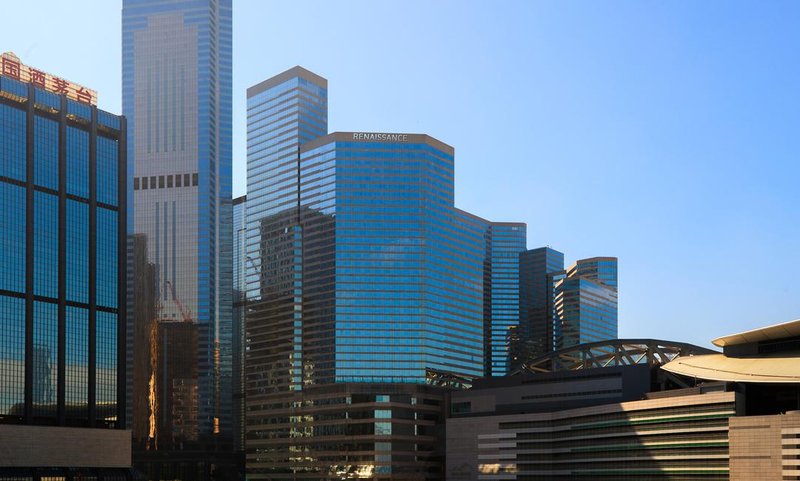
(363, 280)
(62, 281)
(177, 98)
(505, 242)
(239, 308)
(637, 409)
(586, 302)
(538, 269)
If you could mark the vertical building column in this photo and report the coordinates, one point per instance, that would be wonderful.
(29, 257)
(62, 261)
(122, 271)
(92, 374)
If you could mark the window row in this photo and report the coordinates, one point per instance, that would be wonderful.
(165, 181)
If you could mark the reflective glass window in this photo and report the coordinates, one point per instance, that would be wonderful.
(77, 162)
(12, 355)
(77, 251)
(45, 152)
(76, 375)
(45, 244)
(106, 351)
(107, 167)
(45, 358)
(12, 237)
(12, 142)
(107, 258)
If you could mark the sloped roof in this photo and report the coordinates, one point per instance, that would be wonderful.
(769, 333)
(718, 367)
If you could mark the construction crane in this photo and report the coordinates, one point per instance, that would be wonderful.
(186, 315)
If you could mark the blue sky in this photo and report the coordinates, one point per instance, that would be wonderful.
(663, 133)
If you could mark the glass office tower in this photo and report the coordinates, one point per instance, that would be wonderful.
(62, 283)
(364, 287)
(239, 308)
(405, 267)
(534, 336)
(586, 302)
(176, 74)
(505, 242)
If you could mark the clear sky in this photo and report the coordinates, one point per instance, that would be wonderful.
(664, 133)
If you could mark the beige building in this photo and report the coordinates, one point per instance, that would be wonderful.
(693, 416)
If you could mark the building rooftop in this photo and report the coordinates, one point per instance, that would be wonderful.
(768, 333)
(293, 72)
(719, 367)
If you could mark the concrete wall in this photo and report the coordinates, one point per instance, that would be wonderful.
(757, 446)
(41, 446)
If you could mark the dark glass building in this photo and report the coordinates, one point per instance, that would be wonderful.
(176, 75)
(538, 271)
(62, 282)
(239, 309)
(586, 302)
(367, 291)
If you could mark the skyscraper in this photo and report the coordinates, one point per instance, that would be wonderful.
(239, 308)
(62, 280)
(538, 269)
(364, 284)
(177, 96)
(586, 302)
(505, 242)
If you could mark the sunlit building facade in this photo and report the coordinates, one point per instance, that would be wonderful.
(176, 75)
(365, 285)
(586, 302)
(62, 282)
(504, 244)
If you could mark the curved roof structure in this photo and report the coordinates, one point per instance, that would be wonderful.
(613, 352)
(769, 333)
(719, 367)
(756, 366)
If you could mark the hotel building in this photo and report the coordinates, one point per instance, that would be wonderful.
(368, 292)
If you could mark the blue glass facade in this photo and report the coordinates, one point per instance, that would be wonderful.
(586, 302)
(538, 269)
(283, 113)
(177, 96)
(361, 273)
(60, 302)
(405, 266)
(505, 242)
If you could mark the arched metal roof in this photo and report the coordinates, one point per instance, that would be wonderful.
(613, 352)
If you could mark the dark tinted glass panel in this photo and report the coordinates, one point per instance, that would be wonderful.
(77, 162)
(12, 237)
(77, 362)
(77, 251)
(107, 258)
(12, 142)
(12, 355)
(107, 167)
(45, 358)
(45, 152)
(45, 245)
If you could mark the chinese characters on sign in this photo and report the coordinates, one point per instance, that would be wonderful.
(10, 66)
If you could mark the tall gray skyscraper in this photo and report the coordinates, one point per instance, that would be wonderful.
(177, 96)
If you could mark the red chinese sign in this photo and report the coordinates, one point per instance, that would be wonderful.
(10, 66)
